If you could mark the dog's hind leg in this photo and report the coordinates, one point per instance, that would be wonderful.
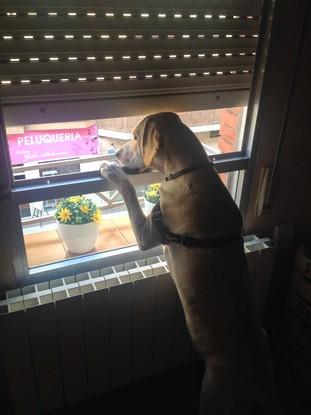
(220, 396)
(216, 398)
(210, 403)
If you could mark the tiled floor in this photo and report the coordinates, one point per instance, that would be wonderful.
(46, 246)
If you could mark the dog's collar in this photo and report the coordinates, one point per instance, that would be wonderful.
(189, 169)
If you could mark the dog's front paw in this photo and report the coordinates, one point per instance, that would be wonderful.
(114, 173)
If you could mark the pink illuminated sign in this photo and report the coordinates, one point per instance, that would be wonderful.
(44, 145)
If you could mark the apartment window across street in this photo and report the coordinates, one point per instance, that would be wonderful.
(71, 96)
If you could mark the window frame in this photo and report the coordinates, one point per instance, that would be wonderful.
(91, 182)
(32, 190)
(88, 182)
(55, 111)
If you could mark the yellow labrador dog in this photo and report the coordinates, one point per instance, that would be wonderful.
(200, 227)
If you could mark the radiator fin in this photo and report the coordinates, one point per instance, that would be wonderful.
(80, 336)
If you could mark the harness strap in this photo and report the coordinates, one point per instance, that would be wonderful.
(191, 242)
(186, 240)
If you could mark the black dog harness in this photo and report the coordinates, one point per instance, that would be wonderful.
(186, 240)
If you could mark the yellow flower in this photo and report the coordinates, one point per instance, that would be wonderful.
(74, 199)
(64, 215)
(152, 193)
(155, 186)
(84, 208)
(97, 216)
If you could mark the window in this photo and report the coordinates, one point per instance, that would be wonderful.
(82, 146)
(34, 143)
(66, 109)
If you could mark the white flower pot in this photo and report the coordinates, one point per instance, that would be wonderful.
(79, 239)
(148, 206)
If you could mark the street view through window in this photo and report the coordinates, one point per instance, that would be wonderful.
(45, 150)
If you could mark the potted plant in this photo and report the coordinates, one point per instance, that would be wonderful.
(151, 196)
(78, 219)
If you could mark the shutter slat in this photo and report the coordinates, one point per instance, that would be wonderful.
(107, 89)
(235, 6)
(66, 48)
(47, 24)
(74, 70)
(128, 46)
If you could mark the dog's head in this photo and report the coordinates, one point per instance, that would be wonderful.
(140, 152)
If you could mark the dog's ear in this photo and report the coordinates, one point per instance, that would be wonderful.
(151, 141)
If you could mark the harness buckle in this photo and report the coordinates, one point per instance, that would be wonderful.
(178, 239)
(169, 237)
(184, 240)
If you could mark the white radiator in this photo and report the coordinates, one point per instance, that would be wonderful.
(80, 336)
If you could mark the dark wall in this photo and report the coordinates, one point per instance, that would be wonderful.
(284, 130)
(283, 144)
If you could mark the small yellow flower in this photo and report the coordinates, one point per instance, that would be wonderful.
(74, 199)
(153, 193)
(97, 216)
(64, 215)
(155, 186)
(84, 208)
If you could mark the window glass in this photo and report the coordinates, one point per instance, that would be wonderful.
(46, 241)
(45, 150)
(101, 224)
